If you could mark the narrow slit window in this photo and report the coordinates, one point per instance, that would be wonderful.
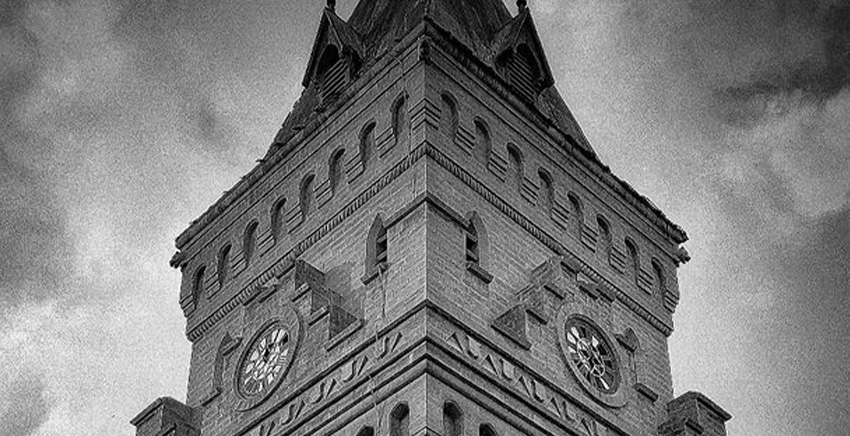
(578, 213)
(376, 248)
(306, 196)
(472, 253)
(486, 430)
(223, 265)
(516, 166)
(367, 144)
(634, 260)
(335, 169)
(547, 191)
(400, 421)
(400, 118)
(249, 242)
(660, 279)
(452, 420)
(277, 219)
(483, 145)
(448, 114)
(604, 236)
(198, 284)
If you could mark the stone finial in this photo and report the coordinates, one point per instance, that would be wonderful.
(331, 5)
(521, 5)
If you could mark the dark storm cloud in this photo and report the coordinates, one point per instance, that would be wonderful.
(33, 239)
(27, 407)
(789, 78)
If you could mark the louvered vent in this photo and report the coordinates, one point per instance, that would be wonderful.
(523, 75)
(333, 81)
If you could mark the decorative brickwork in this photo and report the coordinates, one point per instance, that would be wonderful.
(430, 247)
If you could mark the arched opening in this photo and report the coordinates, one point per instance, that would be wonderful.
(249, 242)
(198, 283)
(400, 124)
(486, 430)
(277, 218)
(367, 143)
(452, 420)
(335, 169)
(660, 278)
(605, 241)
(376, 247)
(223, 265)
(306, 195)
(400, 421)
(578, 213)
(517, 171)
(448, 115)
(547, 190)
(476, 246)
(366, 431)
(633, 259)
(483, 146)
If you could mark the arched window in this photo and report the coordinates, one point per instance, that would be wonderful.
(660, 278)
(448, 115)
(604, 242)
(578, 213)
(547, 190)
(633, 259)
(376, 247)
(472, 254)
(452, 420)
(249, 242)
(366, 431)
(223, 265)
(400, 421)
(486, 430)
(482, 142)
(198, 284)
(335, 169)
(400, 118)
(516, 165)
(476, 247)
(306, 195)
(367, 143)
(277, 218)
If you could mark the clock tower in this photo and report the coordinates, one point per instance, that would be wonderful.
(430, 246)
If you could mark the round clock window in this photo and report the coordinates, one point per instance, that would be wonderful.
(266, 359)
(591, 355)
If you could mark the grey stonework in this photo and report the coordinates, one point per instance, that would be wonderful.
(475, 325)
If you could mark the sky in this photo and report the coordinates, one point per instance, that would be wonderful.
(123, 120)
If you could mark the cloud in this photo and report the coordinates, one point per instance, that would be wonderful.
(23, 406)
(732, 116)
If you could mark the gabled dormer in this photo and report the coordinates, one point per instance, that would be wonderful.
(335, 59)
(520, 58)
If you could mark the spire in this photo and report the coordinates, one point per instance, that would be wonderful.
(331, 5)
(521, 5)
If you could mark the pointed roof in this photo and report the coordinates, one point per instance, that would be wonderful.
(337, 30)
(472, 22)
(510, 35)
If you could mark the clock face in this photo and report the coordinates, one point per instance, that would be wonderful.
(266, 361)
(592, 355)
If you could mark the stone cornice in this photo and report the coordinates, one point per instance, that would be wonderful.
(286, 261)
(546, 239)
(585, 155)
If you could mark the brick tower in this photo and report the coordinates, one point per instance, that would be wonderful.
(430, 247)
